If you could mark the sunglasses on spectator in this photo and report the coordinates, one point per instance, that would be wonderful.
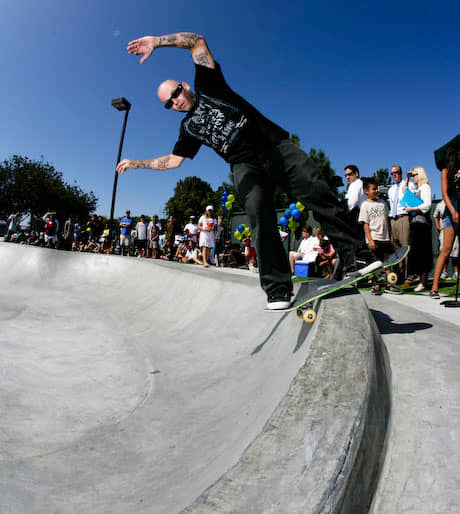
(396, 172)
(349, 174)
(174, 94)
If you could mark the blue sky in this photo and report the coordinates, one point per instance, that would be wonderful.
(372, 83)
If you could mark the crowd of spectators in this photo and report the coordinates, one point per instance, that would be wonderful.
(205, 242)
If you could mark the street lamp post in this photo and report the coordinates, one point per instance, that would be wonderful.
(121, 104)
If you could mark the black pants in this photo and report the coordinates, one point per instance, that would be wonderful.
(291, 168)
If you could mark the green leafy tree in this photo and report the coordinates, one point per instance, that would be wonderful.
(35, 187)
(191, 196)
(382, 177)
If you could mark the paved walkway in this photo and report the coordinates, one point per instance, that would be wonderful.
(420, 473)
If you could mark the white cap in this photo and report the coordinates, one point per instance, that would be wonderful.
(209, 208)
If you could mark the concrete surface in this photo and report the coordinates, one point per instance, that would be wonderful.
(420, 473)
(132, 386)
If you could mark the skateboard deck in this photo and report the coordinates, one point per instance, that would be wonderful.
(310, 292)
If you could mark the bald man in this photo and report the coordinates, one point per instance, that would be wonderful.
(260, 155)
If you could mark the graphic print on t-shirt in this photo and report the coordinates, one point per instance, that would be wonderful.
(216, 123)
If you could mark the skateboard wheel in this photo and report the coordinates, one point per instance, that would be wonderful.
(392, 278)
(309, 316)
(299, 313)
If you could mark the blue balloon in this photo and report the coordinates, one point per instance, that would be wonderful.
(240, 228)
(296, 214)
(284, 221)
(292, 207)
(223, 207)
(225, 194)
(287, 214)
(223, 199)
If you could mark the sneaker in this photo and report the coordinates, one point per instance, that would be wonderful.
(419, 288)
(393, 290)
(443, 275)
(455, 276)
(279, 301)
(434, 295)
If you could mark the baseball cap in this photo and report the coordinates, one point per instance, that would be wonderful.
(209, 208)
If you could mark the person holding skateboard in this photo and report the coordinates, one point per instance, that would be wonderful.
(260, 154)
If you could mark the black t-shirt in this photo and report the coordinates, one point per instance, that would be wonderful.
(224, 121)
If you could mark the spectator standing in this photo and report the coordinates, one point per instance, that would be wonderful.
(220, 239)
(171, 229)
(50, 231)
(68, 233)
(400, 226)
(13, 224)
(355, 197)
(207, 226)
(141, 230)
(153, 235)
(421, 258)
(374, 217)
(192, 228)
(439, 223)
(126, 225)
(450, 187)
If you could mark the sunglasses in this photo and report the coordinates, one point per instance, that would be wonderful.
(174, 94)
(349, 174)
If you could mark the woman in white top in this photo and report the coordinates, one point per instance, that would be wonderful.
(207, 225)
(420, 226)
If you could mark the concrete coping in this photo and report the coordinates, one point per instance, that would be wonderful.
(323, 447)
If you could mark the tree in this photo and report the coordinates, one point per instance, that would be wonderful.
(191, 196)
(35, 187)
(382, 177)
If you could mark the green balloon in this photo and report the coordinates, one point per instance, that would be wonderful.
(238, 235)
(231, 198)
(246, 231)
(228, 205)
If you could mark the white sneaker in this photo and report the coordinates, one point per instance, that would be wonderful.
(278, 305)
(455, 275)
(443, 275)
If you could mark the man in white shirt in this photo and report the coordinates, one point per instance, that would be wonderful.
(355, 197)
(308, 249)
(192, 228)
(399, 218)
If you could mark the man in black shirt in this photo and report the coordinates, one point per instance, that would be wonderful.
(260, 155)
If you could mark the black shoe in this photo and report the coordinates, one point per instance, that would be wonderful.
(279, 300)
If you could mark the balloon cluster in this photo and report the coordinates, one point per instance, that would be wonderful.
(291, 215)
(227, 201)
(242, 231)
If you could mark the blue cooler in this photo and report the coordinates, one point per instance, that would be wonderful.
(301, 269)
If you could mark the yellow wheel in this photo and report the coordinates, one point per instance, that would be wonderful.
(392, 278)
(309, 316)
(299, 313)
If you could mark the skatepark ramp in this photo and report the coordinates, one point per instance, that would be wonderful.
(139, 386)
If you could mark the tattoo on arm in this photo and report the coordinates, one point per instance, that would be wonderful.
(181, 40)
(202, 59)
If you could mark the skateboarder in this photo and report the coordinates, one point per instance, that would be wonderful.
(260, 155)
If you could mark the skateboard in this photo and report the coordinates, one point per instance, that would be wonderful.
(310, 293)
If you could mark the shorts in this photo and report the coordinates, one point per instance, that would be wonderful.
(297, 256)
(384, 249)
(141, 244)
(447, 220)
(125, 240)
(50, 238)
(153, 245)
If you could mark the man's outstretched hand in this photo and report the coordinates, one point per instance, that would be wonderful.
(143, 46)
(124, 165)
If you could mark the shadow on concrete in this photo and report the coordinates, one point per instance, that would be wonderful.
(388, 326)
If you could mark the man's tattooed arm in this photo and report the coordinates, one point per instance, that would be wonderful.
(190, 41)
(168, 162)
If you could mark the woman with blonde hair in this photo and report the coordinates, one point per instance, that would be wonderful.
(421, 256)
(207, 226)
